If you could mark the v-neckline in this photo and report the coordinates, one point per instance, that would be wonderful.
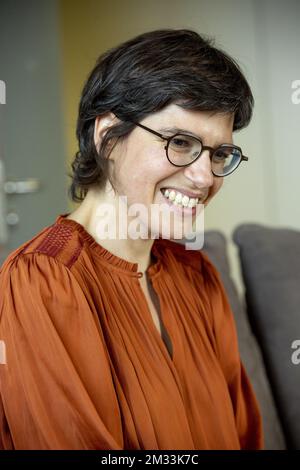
(164, 335)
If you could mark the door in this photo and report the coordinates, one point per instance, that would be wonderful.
(33, 172)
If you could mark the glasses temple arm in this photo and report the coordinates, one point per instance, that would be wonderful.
(149, 130)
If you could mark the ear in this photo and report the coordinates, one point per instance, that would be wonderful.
(102, 124)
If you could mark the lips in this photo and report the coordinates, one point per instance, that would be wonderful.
(201, 197)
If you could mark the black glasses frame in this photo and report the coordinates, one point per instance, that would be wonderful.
(203, 147)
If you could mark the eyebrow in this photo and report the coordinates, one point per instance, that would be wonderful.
(178, 129)
(174, 130)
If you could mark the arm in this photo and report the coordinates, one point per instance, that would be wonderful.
(56, 388)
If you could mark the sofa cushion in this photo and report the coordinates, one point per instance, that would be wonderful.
(270, 263)
(215, 246)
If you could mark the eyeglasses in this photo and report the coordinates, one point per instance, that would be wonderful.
(183, 149)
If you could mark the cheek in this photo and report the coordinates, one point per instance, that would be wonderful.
(217, 185)
(150, 171)
(138, 173)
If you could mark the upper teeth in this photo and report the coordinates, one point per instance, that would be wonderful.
(180, 199)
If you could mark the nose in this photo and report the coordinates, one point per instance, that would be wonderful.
(200, 171)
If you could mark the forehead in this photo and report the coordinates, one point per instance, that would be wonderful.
(214, 128)
(194, 117)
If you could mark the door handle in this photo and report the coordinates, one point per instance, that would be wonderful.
(3, 222)
(29, 185)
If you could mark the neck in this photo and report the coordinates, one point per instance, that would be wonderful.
(92, 216)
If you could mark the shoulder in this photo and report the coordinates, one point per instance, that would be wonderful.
(41, 268)
(36, 280)
(55, 243)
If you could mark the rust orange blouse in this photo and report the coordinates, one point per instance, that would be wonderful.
(86, 367)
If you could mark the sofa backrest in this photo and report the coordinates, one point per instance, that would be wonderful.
(270, 265)
(215, 246)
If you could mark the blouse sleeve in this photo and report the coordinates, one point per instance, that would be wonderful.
(56, 387)
(245, 405)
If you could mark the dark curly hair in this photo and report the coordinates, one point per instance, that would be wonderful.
(143, 75)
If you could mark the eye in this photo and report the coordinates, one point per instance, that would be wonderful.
(219, 156)
(180, 142)
(223, 154)
(183, 143)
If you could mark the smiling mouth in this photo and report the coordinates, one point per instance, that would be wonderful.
(177, 198)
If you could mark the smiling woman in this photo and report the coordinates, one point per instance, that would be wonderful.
(129, 342)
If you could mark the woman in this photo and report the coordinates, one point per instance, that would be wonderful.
(129, 342)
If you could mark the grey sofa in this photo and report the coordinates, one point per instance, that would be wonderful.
(267, 320)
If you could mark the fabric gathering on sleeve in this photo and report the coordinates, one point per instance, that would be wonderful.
(50, 386)
(86, 367)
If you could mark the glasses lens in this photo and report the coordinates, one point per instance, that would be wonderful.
(183, 149)
(225, 160)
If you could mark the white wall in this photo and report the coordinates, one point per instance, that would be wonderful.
(278, 52)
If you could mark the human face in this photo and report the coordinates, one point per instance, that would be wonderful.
(141, 170)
